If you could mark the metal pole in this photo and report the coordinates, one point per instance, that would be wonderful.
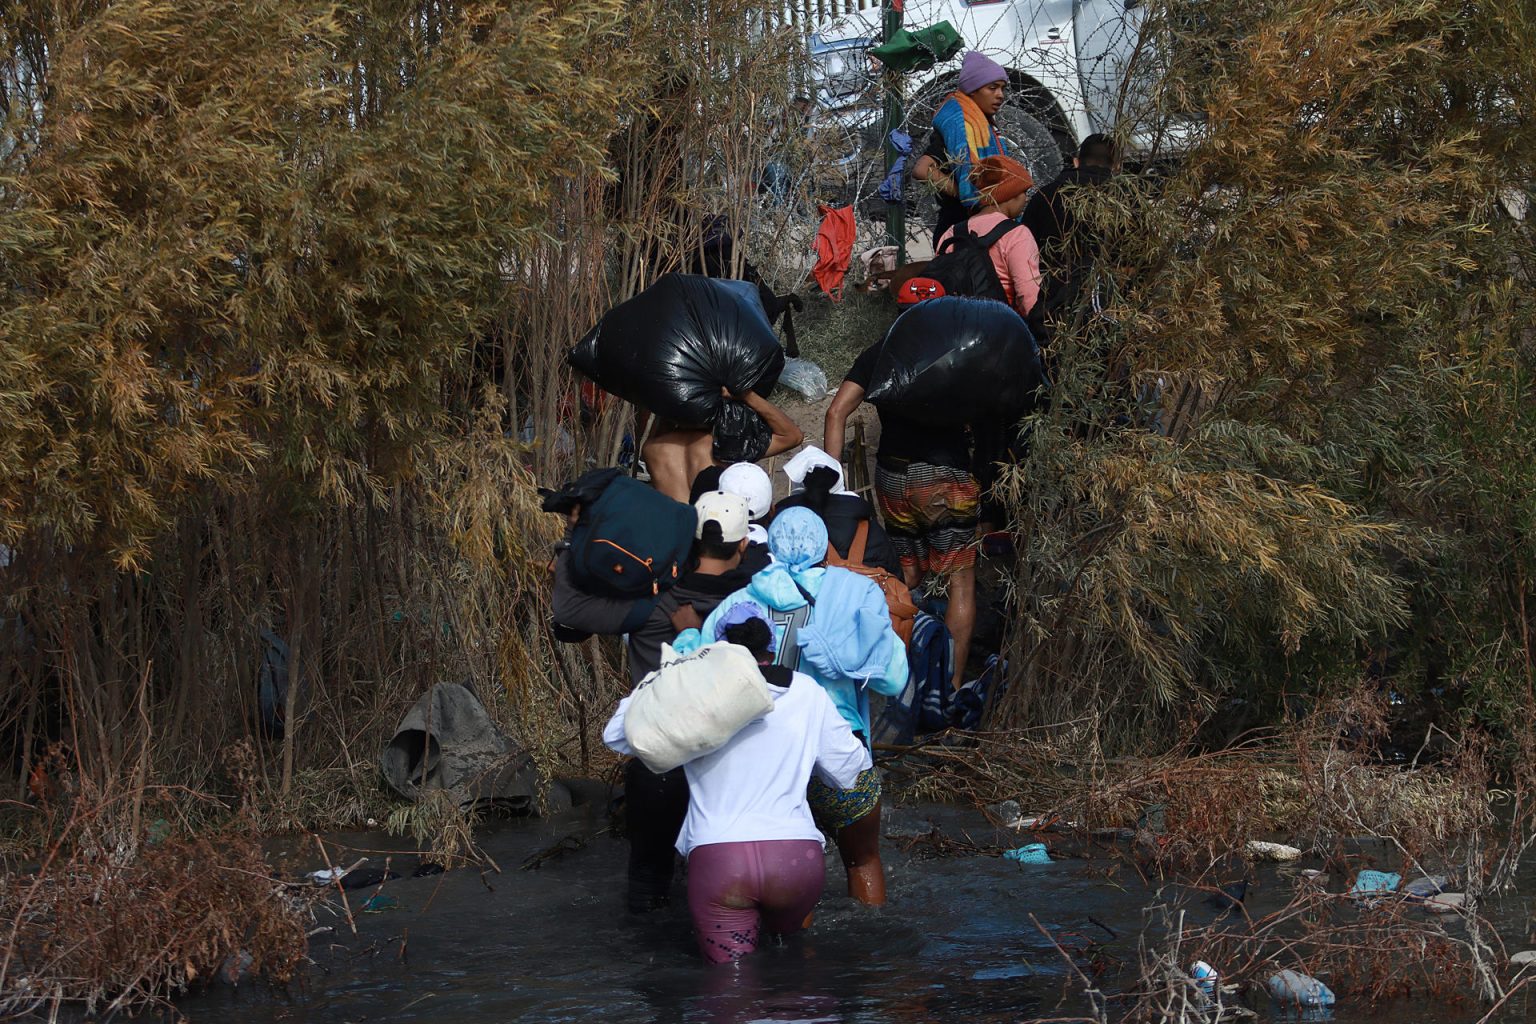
(896, 213)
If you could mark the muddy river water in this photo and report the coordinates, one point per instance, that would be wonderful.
(957, 942)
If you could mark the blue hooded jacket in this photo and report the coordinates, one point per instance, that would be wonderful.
(843, 636)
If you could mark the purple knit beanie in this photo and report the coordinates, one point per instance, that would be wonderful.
(978, 70)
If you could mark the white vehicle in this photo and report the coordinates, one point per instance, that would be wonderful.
(1075, 66)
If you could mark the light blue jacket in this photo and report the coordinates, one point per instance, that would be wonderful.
(854, 650)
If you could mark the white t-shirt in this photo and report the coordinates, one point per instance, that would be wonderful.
(753, 788)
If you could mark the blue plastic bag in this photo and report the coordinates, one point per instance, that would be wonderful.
(1034, 853)
(1376, 883)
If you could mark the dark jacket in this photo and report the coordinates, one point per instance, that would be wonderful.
(842, 514)
(648, 621)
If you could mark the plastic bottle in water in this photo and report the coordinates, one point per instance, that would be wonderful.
(1205, 977)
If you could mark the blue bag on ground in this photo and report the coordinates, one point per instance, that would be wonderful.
(957, 360)
(631, 540)
(671, 348)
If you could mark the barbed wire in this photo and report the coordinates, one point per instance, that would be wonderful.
(1075, 68)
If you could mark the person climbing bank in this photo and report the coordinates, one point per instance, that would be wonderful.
(964, 133)
(676, 454)
(928, 496)
(1002, 188)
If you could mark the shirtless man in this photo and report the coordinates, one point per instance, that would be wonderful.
(675, 454)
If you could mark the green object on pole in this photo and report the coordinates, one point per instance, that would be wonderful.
(896, 213)
(906, 51)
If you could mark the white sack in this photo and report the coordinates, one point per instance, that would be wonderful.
(693, 705)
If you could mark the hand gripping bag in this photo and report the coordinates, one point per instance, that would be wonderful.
(693, 704)
(672, 347)
(956, 360)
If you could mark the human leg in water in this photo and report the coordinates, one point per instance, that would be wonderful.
(654, 808)
(736, 891)
(675, 455)
(852, 818)
(859, 846)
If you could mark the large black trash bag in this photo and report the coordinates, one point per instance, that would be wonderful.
(957, 360)
(672, 347)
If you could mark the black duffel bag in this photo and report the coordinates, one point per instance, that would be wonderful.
(671, 348)
(951, 361)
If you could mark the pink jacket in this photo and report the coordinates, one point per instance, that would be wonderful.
(1016, 258)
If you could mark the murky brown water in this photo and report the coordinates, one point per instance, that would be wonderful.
(956, 943)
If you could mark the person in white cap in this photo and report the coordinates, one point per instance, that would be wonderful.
(749, 480)
(655, 804)
(816, 483)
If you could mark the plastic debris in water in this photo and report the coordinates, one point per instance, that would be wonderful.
(1034, 853)
(379, 902)
(1292, 988)
(1376, 883)
(1229, 897)
(1205, 976)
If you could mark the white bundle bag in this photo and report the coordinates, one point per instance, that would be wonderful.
(693, 704)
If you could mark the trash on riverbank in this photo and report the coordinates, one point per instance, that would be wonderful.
(1034, 853)
(1272, 852)
(1291, 988)
(1375, 883)
(804, 378)
(1423, 888)
(332, 875)
(1446, 903)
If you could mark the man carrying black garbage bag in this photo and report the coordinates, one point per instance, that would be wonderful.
(655, 805)
(948, 369)
(700, 355)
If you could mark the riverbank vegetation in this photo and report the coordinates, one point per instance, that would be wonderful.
(289, 286)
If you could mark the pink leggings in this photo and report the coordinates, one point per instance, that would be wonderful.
(733, 888)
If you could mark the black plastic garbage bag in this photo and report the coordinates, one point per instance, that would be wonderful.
(957, 360)
(671, 348)
(741, 435)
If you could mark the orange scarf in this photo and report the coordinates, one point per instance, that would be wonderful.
(980, 136)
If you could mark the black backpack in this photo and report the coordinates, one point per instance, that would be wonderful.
(961, 267)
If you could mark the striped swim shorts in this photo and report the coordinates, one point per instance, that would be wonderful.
(930, 514)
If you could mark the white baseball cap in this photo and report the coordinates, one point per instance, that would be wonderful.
(750, 481)
(728, 511)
